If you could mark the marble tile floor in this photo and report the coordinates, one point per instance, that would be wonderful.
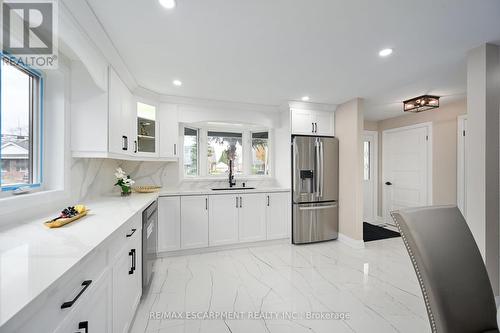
(374, 288)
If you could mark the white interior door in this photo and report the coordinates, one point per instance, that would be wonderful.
(370, 176)
(407, 167)
(462, 165)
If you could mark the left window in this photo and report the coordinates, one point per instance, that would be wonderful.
(20, 125)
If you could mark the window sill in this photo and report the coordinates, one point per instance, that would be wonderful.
(25, 204)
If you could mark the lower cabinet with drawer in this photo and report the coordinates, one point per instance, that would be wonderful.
(92, 313)
(99, 294)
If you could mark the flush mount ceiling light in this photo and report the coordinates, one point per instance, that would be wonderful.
(305, 99)
(168, 4)
(177, 83)
(421, 103)
(385, 52)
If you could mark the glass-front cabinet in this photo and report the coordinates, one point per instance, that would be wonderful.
(147, 130)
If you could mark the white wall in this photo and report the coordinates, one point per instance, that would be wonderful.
(349, 131)
(482, 157)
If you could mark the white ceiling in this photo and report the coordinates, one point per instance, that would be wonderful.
(271, 51)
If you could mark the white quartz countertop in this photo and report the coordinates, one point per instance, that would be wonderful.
(33, 257)
(173, 192)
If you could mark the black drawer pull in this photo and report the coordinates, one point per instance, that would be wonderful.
(132, 268)
(130, 235)
(84, 325)
(85, 285)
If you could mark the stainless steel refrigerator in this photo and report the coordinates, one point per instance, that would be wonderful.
(315, 188)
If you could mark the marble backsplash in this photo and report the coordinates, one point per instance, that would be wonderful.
(91, 178)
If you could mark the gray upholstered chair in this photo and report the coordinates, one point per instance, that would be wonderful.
(451, 272)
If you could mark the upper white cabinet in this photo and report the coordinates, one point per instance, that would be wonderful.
(278, 215)
(121, 116)
(115, 124)
(169, 131)
(146, 142)
(194, 222)
(309, 122)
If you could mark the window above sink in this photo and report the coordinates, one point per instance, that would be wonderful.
(208, 147)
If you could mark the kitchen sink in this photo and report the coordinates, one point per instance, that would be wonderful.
(232, 188)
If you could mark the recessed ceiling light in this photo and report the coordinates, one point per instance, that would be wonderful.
(168, 4)
(305, 98)
(385, 52)
(177, 83)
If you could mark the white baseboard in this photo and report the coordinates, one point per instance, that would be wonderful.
(354, 243)
(222, 248)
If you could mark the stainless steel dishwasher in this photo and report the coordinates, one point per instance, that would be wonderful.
(149, 239)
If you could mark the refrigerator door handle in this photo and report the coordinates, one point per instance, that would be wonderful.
(322, 168)
(317, 174)
(318, 207)
(294, 147)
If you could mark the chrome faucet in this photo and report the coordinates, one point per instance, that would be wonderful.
(232, 182)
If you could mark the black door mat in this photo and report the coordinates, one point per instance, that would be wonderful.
(372, 232)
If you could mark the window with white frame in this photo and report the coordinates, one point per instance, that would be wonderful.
(20, 130)
(207, 152)
(190, 156)
(260, 153)
(221, 148)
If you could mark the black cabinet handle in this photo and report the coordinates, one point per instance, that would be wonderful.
(124, 142)
(388, 183)
(315, 127)
(175, 149)
(85, 285)
(206, 203)
(236, 202)
(135, 146)
(241, 202)
(84, 325)
(130, 235)
(267, 201)
(132, 268)
(312, 127)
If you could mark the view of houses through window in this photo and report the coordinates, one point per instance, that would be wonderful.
(222, 147)
(16, 131)
(249, 152)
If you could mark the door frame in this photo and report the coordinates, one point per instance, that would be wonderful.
(428, 126)
(461, 164)
(373, 171)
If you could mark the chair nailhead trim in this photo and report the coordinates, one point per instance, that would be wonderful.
(419, 276)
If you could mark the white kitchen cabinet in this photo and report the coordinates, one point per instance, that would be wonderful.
(94, 311)
(277, 215)
(194, 222)
(169, 224)
(309, 122)
(146, 129)
(169, 131)
(223, 219)
(302, 122)
(323, 123)
(251, 217)
(121, 116)
(127, 276)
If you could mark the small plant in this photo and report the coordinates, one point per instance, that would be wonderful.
(124, 181)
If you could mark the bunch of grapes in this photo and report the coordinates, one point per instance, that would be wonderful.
(69, 212)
